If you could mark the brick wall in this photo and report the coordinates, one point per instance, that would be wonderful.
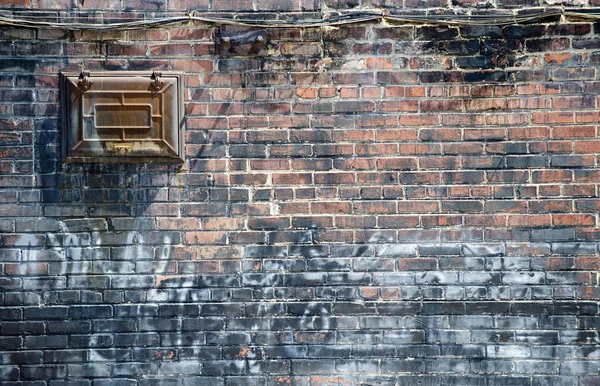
(372, 204)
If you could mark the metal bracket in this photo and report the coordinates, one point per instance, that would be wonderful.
(156, 83)
(237, 41)
(225, 45)
(84, 83)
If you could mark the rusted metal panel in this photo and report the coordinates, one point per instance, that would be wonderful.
(122, 116)
(241, 41)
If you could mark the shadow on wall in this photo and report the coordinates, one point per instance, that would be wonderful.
(95, 255)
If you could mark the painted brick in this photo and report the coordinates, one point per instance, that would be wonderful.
(393, 204)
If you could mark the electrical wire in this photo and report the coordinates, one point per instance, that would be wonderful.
(484, 20)
(332, 20)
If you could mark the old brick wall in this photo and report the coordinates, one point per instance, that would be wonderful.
(374, 204)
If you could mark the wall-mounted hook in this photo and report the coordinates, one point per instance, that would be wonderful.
(84, 83)
(156, 83)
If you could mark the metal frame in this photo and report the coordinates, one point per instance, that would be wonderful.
(86, 82)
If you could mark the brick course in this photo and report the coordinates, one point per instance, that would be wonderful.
(367, 204)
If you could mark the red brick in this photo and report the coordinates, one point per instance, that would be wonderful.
(573, 220)
(549, 191)
(528, 133)
(418, 178)
(386, 207)
(482, 91)
(335, 178)
(550, 206)
(553, 117)
(443, 162)
(485, 104)
(550, 89)
(420, 120)
(379, 63)
(463, 148)
(485, 220)
(527, 89)
(441, 221)
(579, 190)
(193, 34)
(233, 5)
(199, 65)
(557, 58)
(356, 164)
(293, 179)
(416, 91)
(396, 135)
(504, 90)
(417, 264)
(401, 105)
(268, 108)
(528, 103)
(574, 131)
(335, 236)
(202, 238)
(331, 207)
(462, 119)
(441, 105)
(587, 263)
(188, 224)
(248, 179)
(353, 135)
(26, 269)
(222, 224)
(377, 149)
(417, 207)
(398, 222)
(274, 164)
(508, 119)
(370, 178)
(530, 220)
(442, 134)
(397, 163)
(377, 121)
(484, 134)
(197, 267)
(294, 208)
(307, 93)
(327, 92)
(587, 117)
(214, 79)
(575, 102)
(587, 146)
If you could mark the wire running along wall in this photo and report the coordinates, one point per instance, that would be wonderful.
(524, 16)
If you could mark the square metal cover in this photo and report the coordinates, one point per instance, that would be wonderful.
(122, 116)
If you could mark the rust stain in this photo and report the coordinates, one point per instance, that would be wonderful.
(244, 351)
(284, 380)
(160, 279)
(318, 380)
(164, 355)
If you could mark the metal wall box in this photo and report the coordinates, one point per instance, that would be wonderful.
(122, 116)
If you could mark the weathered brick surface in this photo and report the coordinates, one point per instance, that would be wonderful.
(370, 204)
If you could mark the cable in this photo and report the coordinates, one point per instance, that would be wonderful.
(474, 19)
(333, 20)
